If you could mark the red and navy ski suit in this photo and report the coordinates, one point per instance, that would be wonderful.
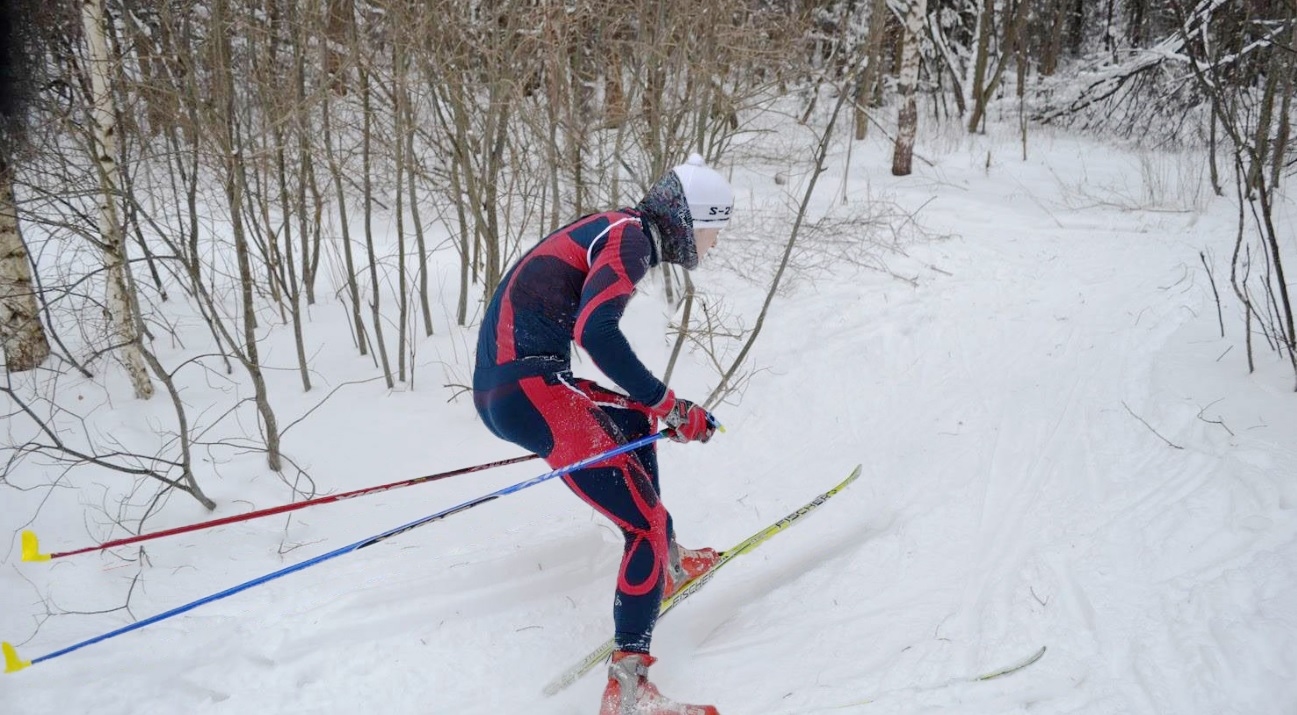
(574, 285)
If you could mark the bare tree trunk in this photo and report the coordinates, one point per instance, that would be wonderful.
(299, 125)
(189, 98)
(1137, 29)
(1054, 46)
(1237, 264)
(186, 140)
(952, 67)
(294, 289)
(1076, 26)
(341, 17)
(1211, 150)
(615, 183)
(1020, 49)
(1261, 154)
(578, 108)
(257, 207)
(234, 193)
(398, 146)
(420, 243)
(654, 101)
(555, 80)
(1284, 307)
(335, 170)
(123, 328)
(1285, 67)
(22, 336)
(465, 191)
(366, 179)
(1109, 32)
(614, 97)
(447, 117)
(187, 477)
(311, 248)
(865, 89)
(908, 117)
(310, 239)
(465, 277)
(981, 93)
(499, 132)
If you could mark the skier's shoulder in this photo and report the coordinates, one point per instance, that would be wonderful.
(623, 228)
(620, 222)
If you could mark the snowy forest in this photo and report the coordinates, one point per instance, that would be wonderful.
(217, 155)
(220, 217)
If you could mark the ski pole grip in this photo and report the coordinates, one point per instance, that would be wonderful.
(32, 548)
(13, 663)
(711, 420)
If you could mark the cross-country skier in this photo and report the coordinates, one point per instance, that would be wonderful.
(574, 286)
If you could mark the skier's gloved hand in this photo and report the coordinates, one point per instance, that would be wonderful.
(685, 421)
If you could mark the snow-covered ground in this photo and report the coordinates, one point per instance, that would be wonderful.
(1055, 454)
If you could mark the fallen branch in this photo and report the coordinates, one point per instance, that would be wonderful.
(1150, 427)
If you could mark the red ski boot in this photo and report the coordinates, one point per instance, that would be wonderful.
(630, 693)
(684, 565)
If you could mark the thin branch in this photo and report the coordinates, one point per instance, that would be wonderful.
(1150, 427)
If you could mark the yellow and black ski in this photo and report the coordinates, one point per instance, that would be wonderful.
(598, 655)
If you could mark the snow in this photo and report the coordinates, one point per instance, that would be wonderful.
(1059, 449)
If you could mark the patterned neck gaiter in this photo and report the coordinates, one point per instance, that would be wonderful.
(665, 206)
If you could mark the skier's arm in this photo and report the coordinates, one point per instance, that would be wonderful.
(618, 262)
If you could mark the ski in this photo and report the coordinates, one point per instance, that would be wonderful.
(1015, 667)
(585, 665)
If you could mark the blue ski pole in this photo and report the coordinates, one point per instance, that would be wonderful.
(13, 663)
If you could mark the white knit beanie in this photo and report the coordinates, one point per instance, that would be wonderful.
(708, 193)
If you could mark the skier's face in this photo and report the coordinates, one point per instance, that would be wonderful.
(705, 239)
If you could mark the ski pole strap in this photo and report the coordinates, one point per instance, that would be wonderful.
(13, 662)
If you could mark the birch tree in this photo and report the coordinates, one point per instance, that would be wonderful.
(103, 121)
(908, 116)
(22, 336)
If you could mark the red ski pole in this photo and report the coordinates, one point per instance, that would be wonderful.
(31, 547)
(13, 663)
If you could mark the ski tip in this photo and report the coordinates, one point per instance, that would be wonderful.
(32, 549)
(13, 663)
(1009, 669)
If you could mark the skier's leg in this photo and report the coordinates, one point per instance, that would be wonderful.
(621, 489)
(565, 425)
(635, 421)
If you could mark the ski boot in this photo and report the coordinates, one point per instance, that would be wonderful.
(684, 565)
(629, 691)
